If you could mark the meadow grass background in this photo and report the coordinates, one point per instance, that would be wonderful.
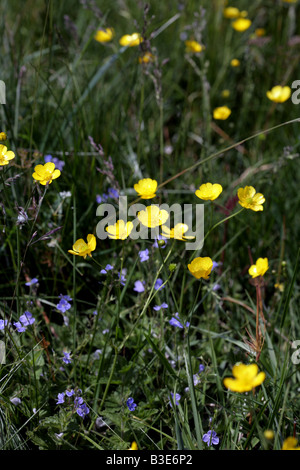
(154, 120)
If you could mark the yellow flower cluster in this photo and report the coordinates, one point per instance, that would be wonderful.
(241, 23)
(193, 46)
(106, 35)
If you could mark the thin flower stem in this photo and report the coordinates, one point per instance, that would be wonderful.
(109, 381)
(221, 222)
(215, 226)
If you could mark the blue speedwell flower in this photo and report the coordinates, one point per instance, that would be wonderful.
(82, 410)
(63, 304)
(131, 405)
(113, 193)
(158, 307)
(211, 438)
(158, 284)
(33, 281)
(59, 164)
(122, 278)
(175, 321)
(60, 398)
(139, 286)
(176, 399)
(25, 320)
(107, 268)
(3, 324)
(144, 255)
(67, 357)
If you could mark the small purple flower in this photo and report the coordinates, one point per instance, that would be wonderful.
(82, 410)
(158, 284)
(139, 286)
(215, 265)
(201, 368)
(80, 407)
(175, 321)
(160, 237)
(60, 398)
(177, 398)
(216, 287)
(144, 255)
(63, 306)
(33, 281)
(113, 193)
(78, 401)
(102, 198)
(196, 379)
(122, 279)
(131, 405)
(65, 297)
(107, 268)
(158, 307)
(211, 438)
(67, 358)
(97, 353)
(19, 326)
(3, 324)
(16, 401)
(70, 393)
(27, 319)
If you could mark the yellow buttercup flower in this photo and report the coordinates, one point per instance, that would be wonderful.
(259, 268)
(222, 113)
(193, 46)
(120, 230)
(231, 13)
(269, 434)
(241, 24)
(235, 63)
(225, 93)
(146, 188)
(152, 216)
(146, 58)
(290, 443)
(131, 40)
(134, 446)
(177, 232)
(3, 136)
(279, 94)
(201, 267)
(279, 286)
(80, 248)
(5, 155)
(104, 35)
(250, 199)
(260, 32)
(45, 174)
(246, 377)
(209, 191)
